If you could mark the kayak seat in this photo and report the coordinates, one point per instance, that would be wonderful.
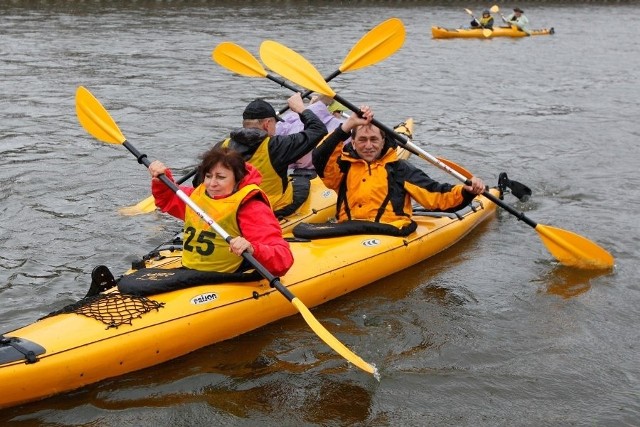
(304, 231)
(349, 228)
(151, 281)
(301, 183)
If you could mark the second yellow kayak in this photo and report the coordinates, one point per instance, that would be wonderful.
(478, 33)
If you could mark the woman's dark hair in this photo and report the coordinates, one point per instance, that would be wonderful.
(227, 157)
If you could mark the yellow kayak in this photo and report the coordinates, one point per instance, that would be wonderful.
(113, 333)
(478, 33)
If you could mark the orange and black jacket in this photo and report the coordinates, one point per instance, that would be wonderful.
(381, 191)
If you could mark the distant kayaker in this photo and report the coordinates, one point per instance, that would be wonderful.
(518, 19)
(230, 195)
(486, 21)
(271, 154)
(374, 185)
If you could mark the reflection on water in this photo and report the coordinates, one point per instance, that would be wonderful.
(443, 295)
(337, 400)
(569, 282)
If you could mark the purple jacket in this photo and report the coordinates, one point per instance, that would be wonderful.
(292, 124)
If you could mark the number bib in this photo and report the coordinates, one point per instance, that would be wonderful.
(204, 249)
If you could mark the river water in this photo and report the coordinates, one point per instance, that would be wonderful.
(490, 332)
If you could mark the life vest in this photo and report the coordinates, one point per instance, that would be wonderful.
(486, 22)
(203, 248)
(278, 190)
(372, 195)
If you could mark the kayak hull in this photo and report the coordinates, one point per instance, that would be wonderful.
(477, 33)
(81, 350)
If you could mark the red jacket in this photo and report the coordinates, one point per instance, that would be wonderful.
(255, 218)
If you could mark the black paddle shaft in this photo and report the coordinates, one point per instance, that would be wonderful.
(520, 215)
(144, 160)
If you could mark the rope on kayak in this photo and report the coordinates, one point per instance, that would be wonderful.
(113, 309)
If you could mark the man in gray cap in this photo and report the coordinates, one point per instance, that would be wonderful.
(271, 154)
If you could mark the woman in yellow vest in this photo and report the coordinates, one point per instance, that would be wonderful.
(230, 195)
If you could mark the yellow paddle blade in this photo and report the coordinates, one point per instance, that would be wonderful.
(378, 44)
(486, 32)
(294, 67)
(330, 340)
(495, 9)
(456, 167)
(95, 119)
(142, 207)
(574, 250)
(238, 60)
(469, 12)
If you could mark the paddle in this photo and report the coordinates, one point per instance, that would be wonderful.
(378, 44)
(496, 9)
(237, 59)
(569, 248)
(485, 31)
(95, 119)
(240, 61)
